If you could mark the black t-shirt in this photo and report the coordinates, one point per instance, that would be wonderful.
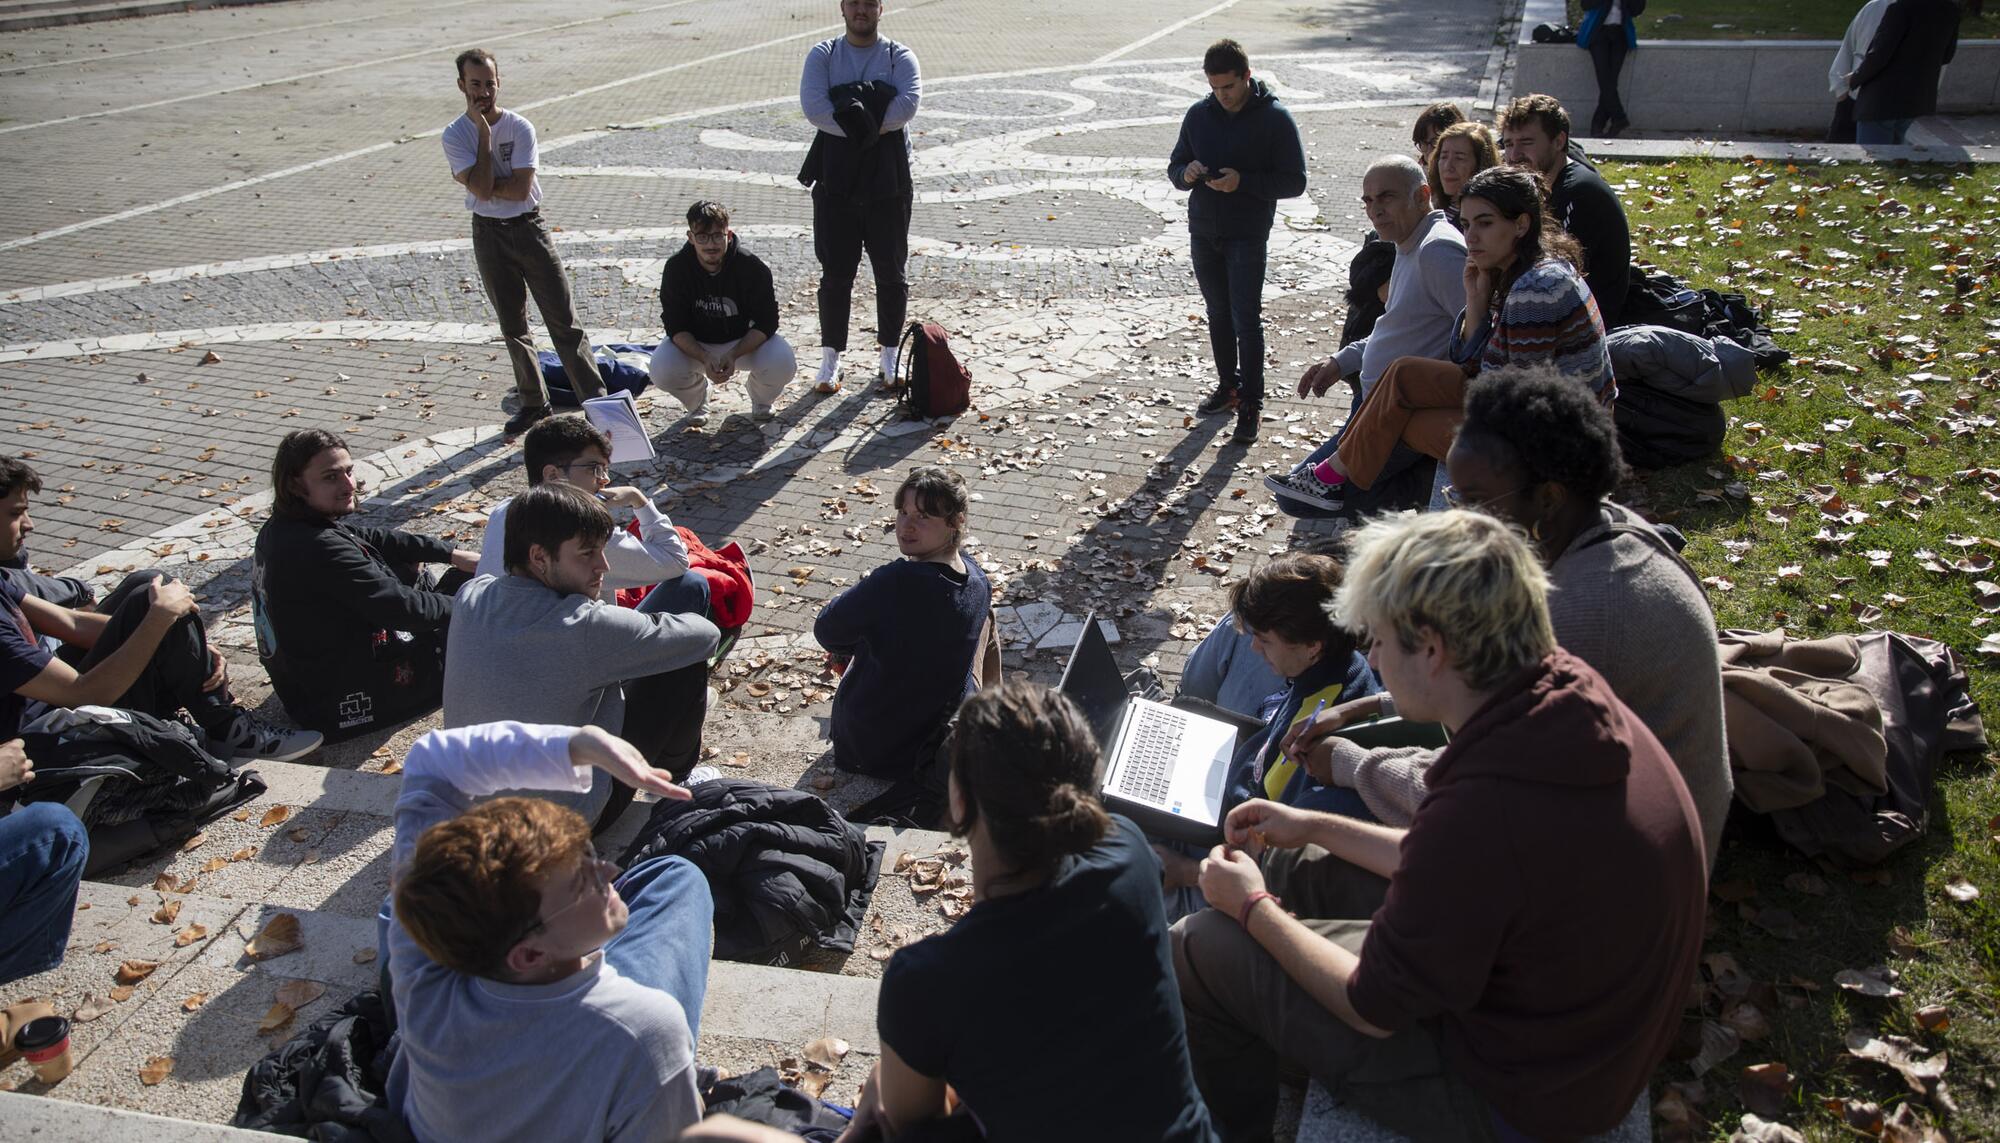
(22, 657)
(1054, 1013)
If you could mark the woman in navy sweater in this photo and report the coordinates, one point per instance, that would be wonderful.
(907, 634)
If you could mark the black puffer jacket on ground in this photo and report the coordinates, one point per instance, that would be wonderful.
(787, 872)
(328, 1082)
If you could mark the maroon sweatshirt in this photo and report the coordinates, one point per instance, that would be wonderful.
(1548, 905)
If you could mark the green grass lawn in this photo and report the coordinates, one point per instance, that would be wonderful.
(1858, 491)
(1768, 20)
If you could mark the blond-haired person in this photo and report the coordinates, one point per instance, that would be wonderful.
(1514, 962)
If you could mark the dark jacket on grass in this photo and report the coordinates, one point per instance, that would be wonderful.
(1547, 909)
(347, 625)
(1260, 143)
(1898, 77)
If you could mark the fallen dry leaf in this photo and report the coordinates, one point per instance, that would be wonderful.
(1875, 981)
(299, 993)
(189, 935)
(93, 1007)
(156, 1069)
(1755, 1130)
(1763, 1087)
(278, 1016)
(1718, 1043)
(1961, 890)
(213, 864)
(1864, 1117)
(280, 935)
(104, 946)
(195, 1001)
(274, 816)
(364, 956)
(1921, 1074)
(1810, 884)
(1907, 1125)
(123, 992)
(826, 1052)
(194, 842)
(134, 971)
(1779, 923)
(1934, 1017)
(167, 911)
(1747, 1021)
(166, 883)
(244, 854)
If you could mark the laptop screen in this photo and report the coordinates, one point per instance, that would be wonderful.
(1092, 680)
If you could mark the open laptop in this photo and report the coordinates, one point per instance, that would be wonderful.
(1164, 768)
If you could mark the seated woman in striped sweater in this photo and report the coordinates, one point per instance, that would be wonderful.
(1525, 304)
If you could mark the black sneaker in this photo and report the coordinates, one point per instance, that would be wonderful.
(1247, 416)
(249, 737)
(522, 421)
(1302, 486)
(1220, 401)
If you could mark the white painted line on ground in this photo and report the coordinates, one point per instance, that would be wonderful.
(1169, 30)
(426, 50)
(81, 61)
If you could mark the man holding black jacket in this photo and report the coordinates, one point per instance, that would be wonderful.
(1240, 153)
(860, 90)
(720, 314)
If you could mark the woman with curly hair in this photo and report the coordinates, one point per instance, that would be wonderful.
(1539, 453)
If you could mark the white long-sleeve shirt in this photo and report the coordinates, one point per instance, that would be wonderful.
(656, 555)
(594, 1056)
(1853, 46)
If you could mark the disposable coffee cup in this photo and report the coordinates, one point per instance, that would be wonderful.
(44, 1043)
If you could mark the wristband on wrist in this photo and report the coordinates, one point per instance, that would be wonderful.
(1250, 902)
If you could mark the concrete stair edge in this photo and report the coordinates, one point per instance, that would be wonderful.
(54, 16)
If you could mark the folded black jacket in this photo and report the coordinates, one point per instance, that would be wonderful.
(788, 874)
(867, 163)
(347, 627)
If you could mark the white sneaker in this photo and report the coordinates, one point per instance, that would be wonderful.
(698, 415)
(827, 380)
(1303, 486)
(761, 413)
(700, 774)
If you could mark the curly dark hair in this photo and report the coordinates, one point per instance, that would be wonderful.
(1549, 425)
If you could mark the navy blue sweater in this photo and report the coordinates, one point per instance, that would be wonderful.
(912, 628)
(1260, 143)
(1256, 771)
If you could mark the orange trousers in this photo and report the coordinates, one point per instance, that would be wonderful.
(1419, 401)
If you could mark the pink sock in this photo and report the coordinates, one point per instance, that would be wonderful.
(1325, 474)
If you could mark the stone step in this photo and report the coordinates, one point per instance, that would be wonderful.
(753, 1016)
(23, 15)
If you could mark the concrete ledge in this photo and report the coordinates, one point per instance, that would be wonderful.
(43, 1120)
(57, 13)
(1725, 85)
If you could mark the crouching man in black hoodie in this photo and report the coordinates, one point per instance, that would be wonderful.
(350, 624)
(1240, 153)
(720, 313)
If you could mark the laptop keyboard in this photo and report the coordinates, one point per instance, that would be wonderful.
(1150, 755)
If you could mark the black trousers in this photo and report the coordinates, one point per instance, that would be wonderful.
(1607, 54)
(173, 676)
(663, 716)
(842, 229)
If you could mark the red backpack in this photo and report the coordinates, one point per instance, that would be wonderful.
(934, 384)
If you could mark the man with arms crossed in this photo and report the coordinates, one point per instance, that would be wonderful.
(492, 155)
(536, 997)
(860, 90)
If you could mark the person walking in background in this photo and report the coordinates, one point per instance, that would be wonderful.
(1239, 153)
(1608, 33)
(492, 153)
(861, 91)
(1896, 83)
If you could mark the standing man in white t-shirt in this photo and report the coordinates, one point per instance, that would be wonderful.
(492, 155)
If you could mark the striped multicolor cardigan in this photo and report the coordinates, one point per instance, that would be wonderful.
(1548, 316)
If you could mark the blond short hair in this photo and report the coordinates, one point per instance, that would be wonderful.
(1465, 575)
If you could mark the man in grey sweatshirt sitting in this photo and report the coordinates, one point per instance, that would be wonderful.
(1426, 295)
(539, 644)
(536, 997)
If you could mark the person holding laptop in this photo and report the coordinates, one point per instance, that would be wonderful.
(1052, 873)
(1514, 963)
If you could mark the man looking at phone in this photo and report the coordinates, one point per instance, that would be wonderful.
(1239, 153)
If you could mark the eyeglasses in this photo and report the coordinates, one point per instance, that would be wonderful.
(721, 239)
(600, 887)
(592, 467)
(1457, 499)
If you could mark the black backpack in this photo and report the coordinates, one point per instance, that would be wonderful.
(137, 782)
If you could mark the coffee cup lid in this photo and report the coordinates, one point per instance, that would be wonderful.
(41, 1033)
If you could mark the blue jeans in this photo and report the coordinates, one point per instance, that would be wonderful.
(687, 595)
(667, 942)
(1882, 132)
(1230, 272)
(42, 851)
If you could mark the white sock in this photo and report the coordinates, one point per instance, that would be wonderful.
(829, 363)
(889, 362)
